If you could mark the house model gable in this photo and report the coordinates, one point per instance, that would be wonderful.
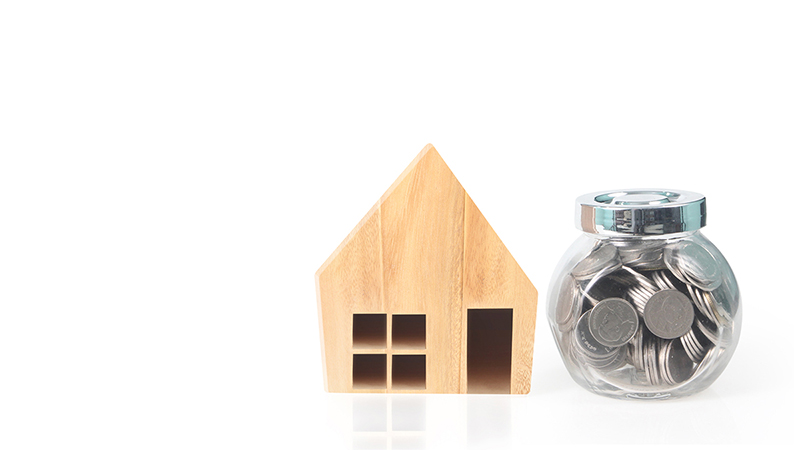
(423, 297)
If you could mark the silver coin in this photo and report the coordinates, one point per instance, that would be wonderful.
(567, 301)
(628, 244)
(636, 349)
(694, 348)
(662, 347)
(618, 360)
(720, 315)
(656, 374)
(604, 259)
(725, 304)
(699, 338)
(640, 295)
(707, 361)
(668, 314)
(651, 362)
(688, 344)
(640, 288)
(613, 322)
(632, 353)
(640, 253)
(650, 259)
(663, 281)
(607, 363)
(727, 297)
(708, 331)
(676, 363)
(693, 264)
(586, 343)
(596, 289)
(698, 302)
(646, 361)
(590, 297)
(631, 277)
(705, 304)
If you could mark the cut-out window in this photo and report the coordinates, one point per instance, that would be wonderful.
(369, 371)
(408, 331)
(369, 331)
(408, 372)
(372, 348)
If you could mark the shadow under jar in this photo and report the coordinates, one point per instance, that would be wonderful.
(642, 305)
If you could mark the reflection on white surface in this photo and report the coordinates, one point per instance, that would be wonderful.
(436, 421)
(488, 422)
(414, 421)
(409, 413)
(562, 415)
(369, 413)
(369, 442)
(407, 442)
(389, 421)
(699, 419)
(582, 418)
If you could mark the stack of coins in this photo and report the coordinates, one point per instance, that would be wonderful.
(644, 304)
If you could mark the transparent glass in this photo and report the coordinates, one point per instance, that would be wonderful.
(644, 317)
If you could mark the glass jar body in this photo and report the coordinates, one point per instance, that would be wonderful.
(644, 317)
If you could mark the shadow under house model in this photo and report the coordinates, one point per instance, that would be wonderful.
(423, 297)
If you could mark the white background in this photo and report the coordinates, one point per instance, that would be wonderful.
(172, 174)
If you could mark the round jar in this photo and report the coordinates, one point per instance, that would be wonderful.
(642, 305)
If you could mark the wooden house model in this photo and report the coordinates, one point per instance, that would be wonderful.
(423, 297)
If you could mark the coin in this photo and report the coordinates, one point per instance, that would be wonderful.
(640, 295)
(668, 314)
(710, 332)
(604, 259)
(663, 347)
(586, 343)
(676, 364)
(637, 349)
(694, 348)
(598, 288)
(693, 264)
(592, 298)
(727, 297)
(613, 322)
(642, 258)
(726, 304)
(705, 304)
(631, 277)
(613, 363)
(651, 362)
(567, 301)
(662, 280)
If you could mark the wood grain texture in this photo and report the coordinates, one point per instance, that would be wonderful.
(349, 282)
(424, 248)
(493, 279)
(422, 232)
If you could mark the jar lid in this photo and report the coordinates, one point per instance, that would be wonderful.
(640, 212)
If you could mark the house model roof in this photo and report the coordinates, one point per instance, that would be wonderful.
(422, 296)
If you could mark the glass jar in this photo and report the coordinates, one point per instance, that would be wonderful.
(642, 305)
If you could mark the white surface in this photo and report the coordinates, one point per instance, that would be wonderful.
(173, 174)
